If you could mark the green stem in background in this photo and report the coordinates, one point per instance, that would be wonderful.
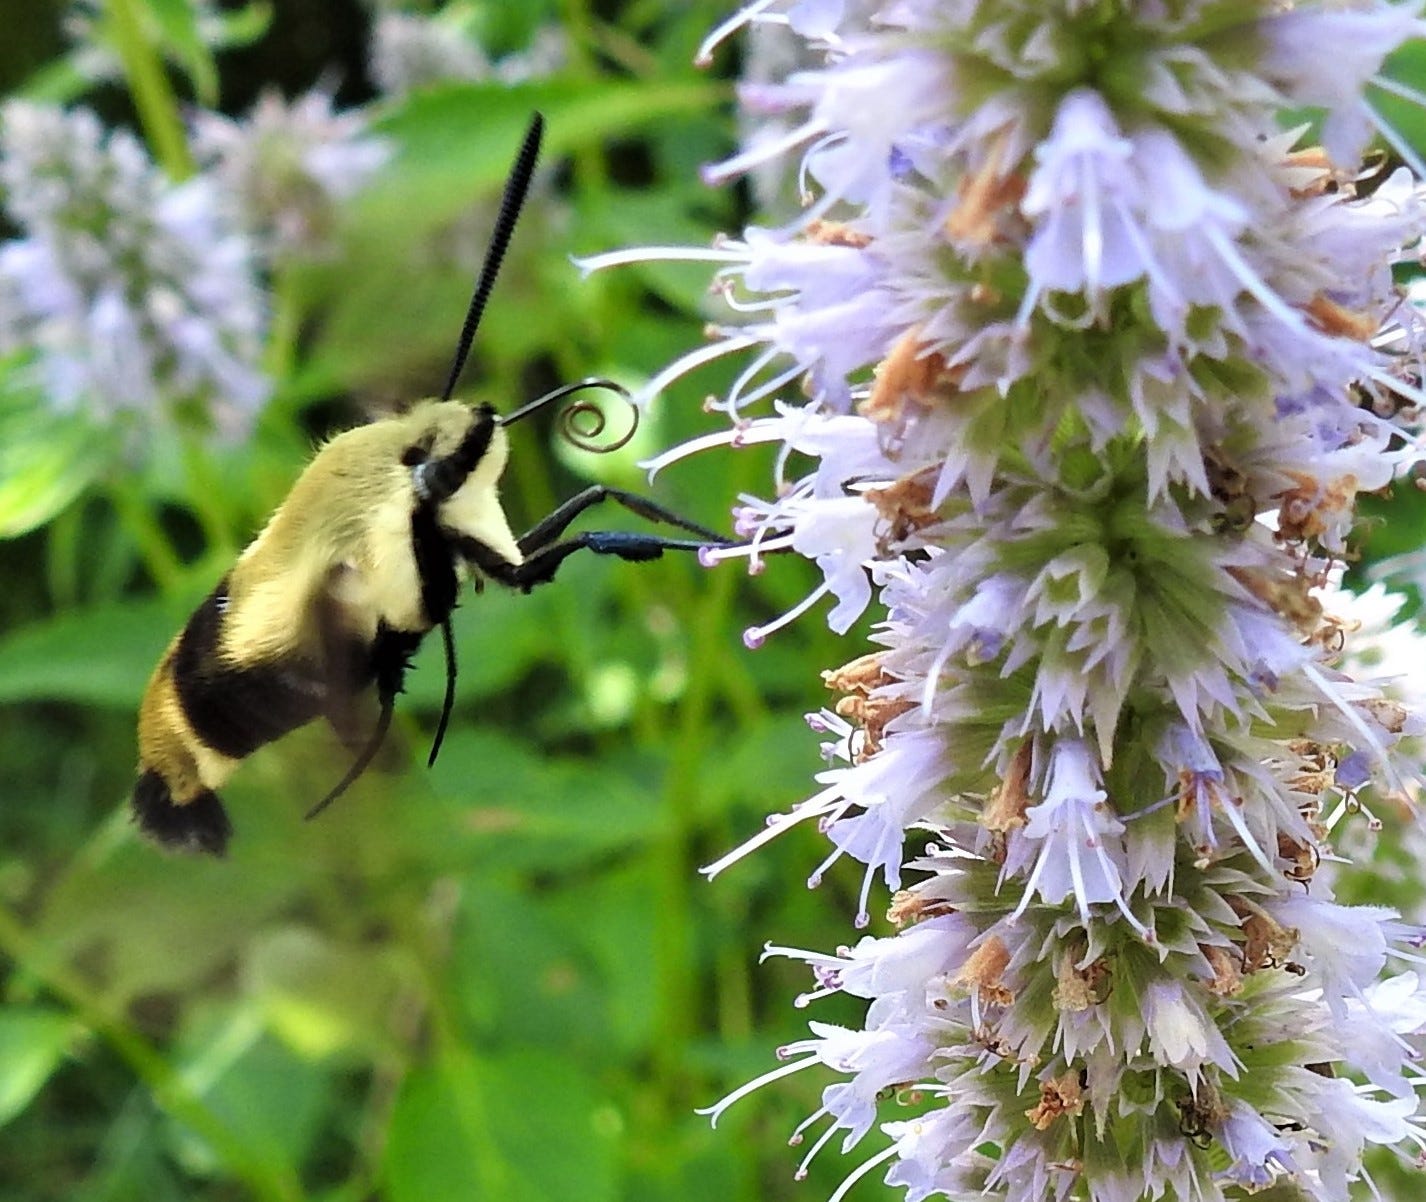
(155, 550)
(265, 1181)
(735, 995)
(427, 936)
(578, 26)
(280, 356)
(153, 94)
(678, 987)
(624, 49)
(207, 502)
(62, 571)
(739, 688)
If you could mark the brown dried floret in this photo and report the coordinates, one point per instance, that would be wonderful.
(905, 505)
(1005, 809)
(864, 704)
(1078, 988)
(910, 374)
(1313, 507)
(1336, 319)
(984, 199)
(1312, 173)
(908, 906)
(983, 972)
(1267, 943)
(1288, 596)
(837, 233)
(1227, 980)
(1058, 1096)
(1302, 859)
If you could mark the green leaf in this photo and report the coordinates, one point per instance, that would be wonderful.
(526, 1125)
(101, 656)
(1391, 530)
(453, 148)
(268, 1098)
(61, 81)
(181, 32)
(612, 929)
(33, 1042)
(456, 141)
(46, 460)
(320, 996)
(121, 902)
(521, 967)
(243, 26)
(539, 811)
(1406, 66)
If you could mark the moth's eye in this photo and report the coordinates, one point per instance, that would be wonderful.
(415, 454)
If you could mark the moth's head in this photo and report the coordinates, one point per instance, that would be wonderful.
(448, 446)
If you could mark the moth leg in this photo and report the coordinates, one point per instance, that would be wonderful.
(391, 654)
(361, 763)
(550, 528)
(541, 567)
(448, 642)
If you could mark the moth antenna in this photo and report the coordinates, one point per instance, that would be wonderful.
(360, 764)
(450, 700)
(569, 418)
(516, 186)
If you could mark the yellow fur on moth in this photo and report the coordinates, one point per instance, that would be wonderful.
(357, 565)
(345, 532)
(331, 580)
(331, 600)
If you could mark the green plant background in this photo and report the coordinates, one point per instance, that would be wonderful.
(501, 978)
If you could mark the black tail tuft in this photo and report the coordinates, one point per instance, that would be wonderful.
(197, 825)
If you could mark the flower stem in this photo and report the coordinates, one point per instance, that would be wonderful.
(678, 987)
(158, 555)
(285, 306)
(152, 92)
(266, 1181)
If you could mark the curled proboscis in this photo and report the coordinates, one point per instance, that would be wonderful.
(583, 422)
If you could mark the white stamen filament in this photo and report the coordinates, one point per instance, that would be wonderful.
(719, 438)
(720, 173)
(1252, 283)
(589, 264)
(695, 359)
(755, 636)
(861, 1171)
(815, 805)
(818, 1144)
(715, 1112)
(745, 15)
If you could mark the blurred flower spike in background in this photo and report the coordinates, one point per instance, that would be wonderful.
(287, 167)
(1097, 357)
(138, 297)
(410, 51)
(127, 291)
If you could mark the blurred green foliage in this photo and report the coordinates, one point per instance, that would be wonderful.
(501, 978)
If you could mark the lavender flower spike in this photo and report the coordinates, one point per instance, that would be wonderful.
(1096, 361)
(128, 296)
